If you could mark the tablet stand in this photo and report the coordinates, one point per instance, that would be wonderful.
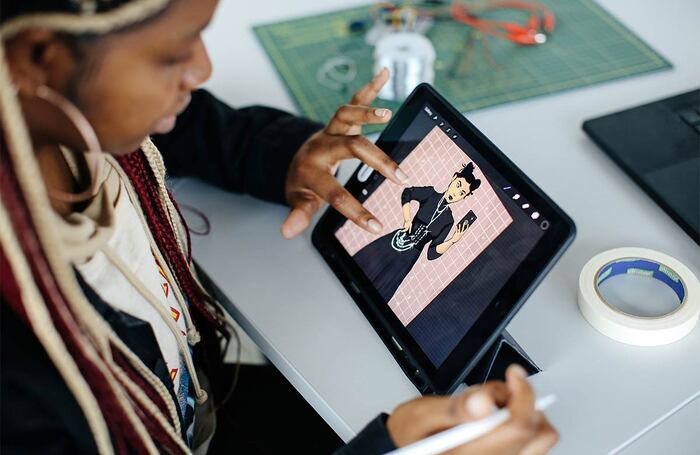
(492, 366)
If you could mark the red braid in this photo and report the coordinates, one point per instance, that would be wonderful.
(155, 429)
(124, 437)
(184, 223)
(141, 175)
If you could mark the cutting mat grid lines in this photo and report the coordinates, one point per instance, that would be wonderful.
(589, 46)
(432, 163)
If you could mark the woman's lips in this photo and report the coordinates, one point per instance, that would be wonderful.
(167, 123)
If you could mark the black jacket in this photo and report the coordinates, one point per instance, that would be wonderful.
(245, 150)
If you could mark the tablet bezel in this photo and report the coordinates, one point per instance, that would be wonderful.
(505, 304)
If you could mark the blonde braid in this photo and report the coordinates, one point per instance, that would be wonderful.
(97, 23)
(49, 337)
(150, 377)
(139, 394)
(34, 193)
(155, 160)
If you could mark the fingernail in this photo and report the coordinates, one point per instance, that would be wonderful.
(518, 370)
(401, 175)
(374, 226)
(381, 112)
(289, 231)
(478, 405)
(285, 231)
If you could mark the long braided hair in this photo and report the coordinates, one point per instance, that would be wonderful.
(127, 407)
(154, 201)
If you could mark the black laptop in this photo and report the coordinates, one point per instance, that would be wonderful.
(658, 146)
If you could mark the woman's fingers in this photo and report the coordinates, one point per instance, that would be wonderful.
(526, 432)
(497, 390)
(428, 415)
(369, 92)
(328, 188)
(522, 401)
(311, 169)
(519, 430)
(360, 147)
(348, 116)
(545, 438)
(303, 208)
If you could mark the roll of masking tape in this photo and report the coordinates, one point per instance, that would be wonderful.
(634, 329)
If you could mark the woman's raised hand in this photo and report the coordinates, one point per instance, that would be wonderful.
(310, 179)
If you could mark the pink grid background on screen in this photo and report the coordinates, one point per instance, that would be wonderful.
(432, 163)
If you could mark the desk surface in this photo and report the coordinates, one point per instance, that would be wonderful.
(290, 303)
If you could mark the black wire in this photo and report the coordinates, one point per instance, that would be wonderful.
(199, 213)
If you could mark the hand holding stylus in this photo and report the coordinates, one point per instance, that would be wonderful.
(525, 432)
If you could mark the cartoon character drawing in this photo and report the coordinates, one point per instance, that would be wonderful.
(387, 260)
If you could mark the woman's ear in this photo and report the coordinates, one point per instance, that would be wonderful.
(36, 58)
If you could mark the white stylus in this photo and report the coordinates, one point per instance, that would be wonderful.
(466, 432)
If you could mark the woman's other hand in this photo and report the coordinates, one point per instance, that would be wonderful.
(407, 226)
(310, 179)
(526, 432)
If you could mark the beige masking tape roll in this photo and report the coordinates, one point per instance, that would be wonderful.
(632, 329)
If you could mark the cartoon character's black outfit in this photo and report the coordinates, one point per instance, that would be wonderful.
(387, 260)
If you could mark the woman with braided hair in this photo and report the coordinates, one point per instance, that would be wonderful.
(109, 341)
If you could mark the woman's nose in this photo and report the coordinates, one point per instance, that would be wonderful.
(199, 71)
(192, 79)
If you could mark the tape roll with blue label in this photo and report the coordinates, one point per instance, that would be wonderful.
(633, 329)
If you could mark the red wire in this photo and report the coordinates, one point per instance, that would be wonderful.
(528, 34)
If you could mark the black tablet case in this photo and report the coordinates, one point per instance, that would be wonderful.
(494, 360)
(503, 352)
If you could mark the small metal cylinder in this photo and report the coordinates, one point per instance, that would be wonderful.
(410, 58)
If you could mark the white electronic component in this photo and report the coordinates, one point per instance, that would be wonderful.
(410, 58)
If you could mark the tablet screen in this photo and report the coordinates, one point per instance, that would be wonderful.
(452, 237)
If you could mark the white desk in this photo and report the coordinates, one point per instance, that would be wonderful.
(289, 302)
(672, 435)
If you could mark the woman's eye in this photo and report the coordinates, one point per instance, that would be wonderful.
(176, 59)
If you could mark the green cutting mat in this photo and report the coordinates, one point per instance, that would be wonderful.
(587, 47)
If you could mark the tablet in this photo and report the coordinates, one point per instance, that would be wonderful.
(464, 243)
